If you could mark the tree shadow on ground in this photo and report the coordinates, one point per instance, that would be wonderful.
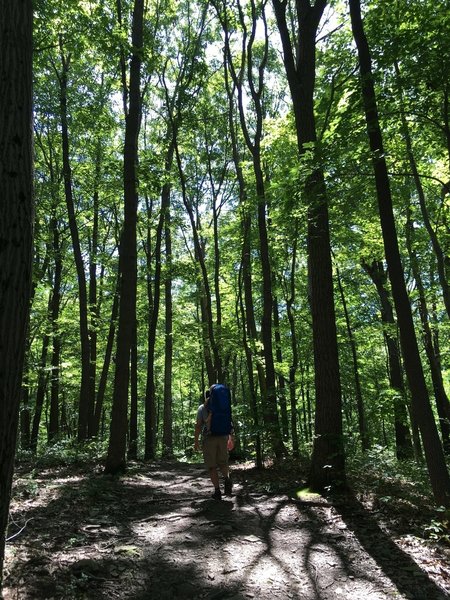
(310, 531)
(154, 533)
(154, 578)
(402, 570)
(78, 517)
(90, 537)
(328, 557)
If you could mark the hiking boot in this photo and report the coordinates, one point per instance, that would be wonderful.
(228, 486)
(217, 494)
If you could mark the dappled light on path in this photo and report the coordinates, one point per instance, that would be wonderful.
(155, 533)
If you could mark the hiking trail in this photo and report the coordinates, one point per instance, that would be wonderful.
(156, 534)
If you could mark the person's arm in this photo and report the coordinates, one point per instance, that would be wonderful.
(230, 442)
(198, 428)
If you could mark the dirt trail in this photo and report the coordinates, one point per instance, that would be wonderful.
(156, 534)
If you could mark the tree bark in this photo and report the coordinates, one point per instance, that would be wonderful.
(328, 458)
(256, 85)
(294, 346)
(116, 459)
(378, 275)
(362, 423)
(205, 291)
(249, 332)
(133, 429)
(168, 342)
(106, 364)
(55, 303)
(251, 380)
(16, 229)
(437, 469)
(440, 395)
(94, 309)
(281, 380)
(86, 403)
(153, 296)
(40, 393)
(438, 251)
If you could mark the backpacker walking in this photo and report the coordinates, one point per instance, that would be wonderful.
(216, 428)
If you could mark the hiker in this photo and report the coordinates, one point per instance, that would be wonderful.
(215, 446)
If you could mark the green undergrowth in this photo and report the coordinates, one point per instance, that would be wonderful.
(399, 492)
(63, 453)
(396, 492)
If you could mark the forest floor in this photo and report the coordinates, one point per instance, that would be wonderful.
(155, 533)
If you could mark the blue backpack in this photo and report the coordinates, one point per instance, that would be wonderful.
(219, 406)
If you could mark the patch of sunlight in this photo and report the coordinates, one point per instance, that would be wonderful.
(266, 571)
(128, 550)
(67, 480)
(153, 531)
(306, 494)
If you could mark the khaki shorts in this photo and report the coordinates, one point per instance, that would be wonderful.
(215, 452)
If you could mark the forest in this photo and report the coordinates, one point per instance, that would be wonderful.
(248, 192)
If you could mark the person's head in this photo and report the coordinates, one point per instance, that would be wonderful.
(207, 394)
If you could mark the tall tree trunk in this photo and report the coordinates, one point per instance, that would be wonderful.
(153, 309)
(86, 403)
(270, 413)
(437, 469)
(204, 329)
(250, 334)
(294, 346)
(216, 206)
(440, 255)
(256, 86)
(55, 303)
(133, 429)
(328, 458)
(281, 379)
(379, 276)
(153, 296)
(40, 393)
(40, 268)
(207, 315)
(98, 411)
(363, 432)
(94, 309)
(251, 380)
(249, 331)
(168, 342)
(53, 308)
(217, 268)
(116, 459)
(16, 229)
(440, 395)
(434, 322)
(246, 306)
(211, 352)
